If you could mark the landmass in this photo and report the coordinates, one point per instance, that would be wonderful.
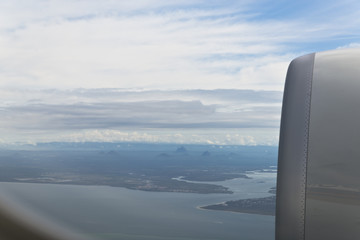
(140, 167)
(263, 206)
(214, 176)
(136, 180)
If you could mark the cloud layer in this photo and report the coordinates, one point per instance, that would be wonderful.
(115, 114)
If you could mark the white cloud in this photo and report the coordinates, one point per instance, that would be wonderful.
(154, 45)
(141, 51)
(218, 137)
(351, 45)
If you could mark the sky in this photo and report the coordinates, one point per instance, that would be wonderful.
(199, 71)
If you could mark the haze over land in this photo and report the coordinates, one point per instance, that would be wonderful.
(148, 167)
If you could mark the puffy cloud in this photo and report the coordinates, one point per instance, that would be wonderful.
(351, 45)
(181, 136)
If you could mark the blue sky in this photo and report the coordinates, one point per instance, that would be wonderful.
(154, 70)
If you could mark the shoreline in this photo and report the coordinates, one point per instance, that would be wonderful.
(260, 206)
(71, 183)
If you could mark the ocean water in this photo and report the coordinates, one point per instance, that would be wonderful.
(117, 213)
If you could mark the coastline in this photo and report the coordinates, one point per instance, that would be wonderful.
(261, 206)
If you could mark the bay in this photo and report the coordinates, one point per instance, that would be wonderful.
(118, 213)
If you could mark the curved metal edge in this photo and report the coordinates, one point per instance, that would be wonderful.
(333, 180)
(293, 150)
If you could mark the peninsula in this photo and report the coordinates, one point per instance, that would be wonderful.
(262, 206)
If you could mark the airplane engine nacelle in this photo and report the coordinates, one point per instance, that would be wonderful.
(318, 191)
